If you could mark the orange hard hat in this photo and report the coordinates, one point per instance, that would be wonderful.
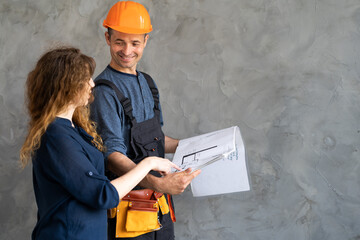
(128, 17)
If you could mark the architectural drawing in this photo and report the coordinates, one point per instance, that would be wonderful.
(221, 156)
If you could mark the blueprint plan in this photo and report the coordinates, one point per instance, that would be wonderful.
(221, 156)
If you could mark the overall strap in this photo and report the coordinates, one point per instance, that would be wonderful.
(125, 102)
(154, 90)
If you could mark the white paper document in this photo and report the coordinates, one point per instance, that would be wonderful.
(221, 156)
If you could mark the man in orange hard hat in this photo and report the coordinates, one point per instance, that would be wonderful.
(128, 113)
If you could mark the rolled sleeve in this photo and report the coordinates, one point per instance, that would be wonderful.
(108, 114)
(71, 166)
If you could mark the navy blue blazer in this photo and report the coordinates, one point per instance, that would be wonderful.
(72, 193)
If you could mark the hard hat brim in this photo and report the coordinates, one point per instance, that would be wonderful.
(127, 30)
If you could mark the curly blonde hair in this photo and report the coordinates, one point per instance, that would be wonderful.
(58, 78)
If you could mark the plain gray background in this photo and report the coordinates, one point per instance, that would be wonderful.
(285, 71)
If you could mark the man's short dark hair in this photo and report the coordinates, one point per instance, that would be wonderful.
(110, 31)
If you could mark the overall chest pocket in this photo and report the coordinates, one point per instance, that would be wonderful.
(147, 139)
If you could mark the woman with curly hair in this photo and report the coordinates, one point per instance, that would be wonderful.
(72, 193)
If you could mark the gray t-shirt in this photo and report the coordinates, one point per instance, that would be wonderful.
(107, 112)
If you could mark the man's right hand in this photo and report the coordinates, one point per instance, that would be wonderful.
(176, 183)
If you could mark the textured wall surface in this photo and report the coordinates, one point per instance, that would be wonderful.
(285, 71)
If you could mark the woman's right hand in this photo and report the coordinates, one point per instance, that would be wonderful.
(162, 165)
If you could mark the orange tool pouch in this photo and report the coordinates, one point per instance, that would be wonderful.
(137, 213)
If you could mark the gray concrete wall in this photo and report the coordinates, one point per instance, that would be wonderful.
(285, 71)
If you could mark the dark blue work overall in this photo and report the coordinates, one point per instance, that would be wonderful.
(146, 139)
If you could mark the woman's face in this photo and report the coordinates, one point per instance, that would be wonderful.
(86, 94)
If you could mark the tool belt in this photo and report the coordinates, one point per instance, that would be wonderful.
(137, 213)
